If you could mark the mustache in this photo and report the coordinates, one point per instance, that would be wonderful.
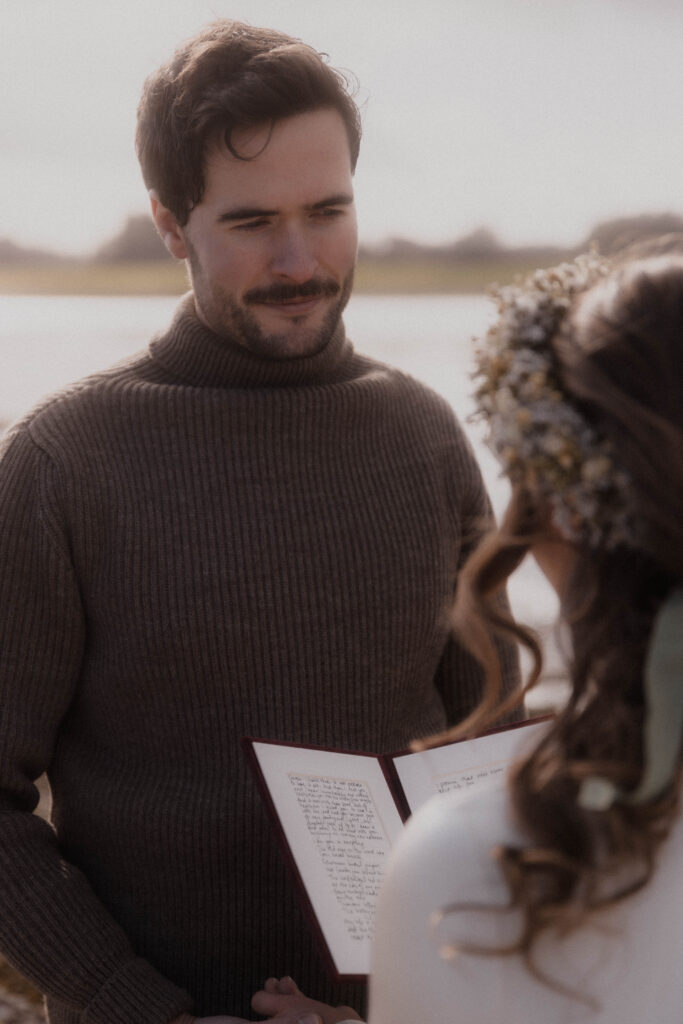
(286, 292)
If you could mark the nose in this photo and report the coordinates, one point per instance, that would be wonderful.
(294, 256)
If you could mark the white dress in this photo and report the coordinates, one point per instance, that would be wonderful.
(628, 963)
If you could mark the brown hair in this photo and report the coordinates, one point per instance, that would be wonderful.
(230, 76)
(621, 360)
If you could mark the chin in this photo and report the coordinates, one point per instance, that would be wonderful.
(286, 346)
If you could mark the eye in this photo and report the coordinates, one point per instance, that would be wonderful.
(252, 225)
(329, 212)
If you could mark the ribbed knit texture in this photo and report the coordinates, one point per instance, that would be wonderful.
(196, 546)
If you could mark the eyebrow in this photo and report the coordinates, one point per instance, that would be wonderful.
(341, 199)
(254, 212)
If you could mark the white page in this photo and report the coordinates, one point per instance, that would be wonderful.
(463, 766)
(340, 821)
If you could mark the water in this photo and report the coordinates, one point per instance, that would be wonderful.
(49, 341)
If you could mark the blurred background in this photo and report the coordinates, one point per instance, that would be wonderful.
(535, 120)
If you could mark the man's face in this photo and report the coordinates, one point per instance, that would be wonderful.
(272, 245)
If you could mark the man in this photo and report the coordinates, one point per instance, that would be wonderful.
(247, 530)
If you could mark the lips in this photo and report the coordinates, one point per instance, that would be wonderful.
(284, 295)
(294, 304)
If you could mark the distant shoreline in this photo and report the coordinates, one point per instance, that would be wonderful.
(161, 277)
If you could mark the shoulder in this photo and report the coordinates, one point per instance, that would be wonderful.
(452, 829)
(426, 423)
(440, 890)
(393, 381)
(442, 858)
(76, 408)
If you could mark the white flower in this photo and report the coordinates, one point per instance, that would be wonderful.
(596, 468)
(504, 402)
(553, 444)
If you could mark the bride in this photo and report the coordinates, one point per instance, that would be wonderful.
(557, 898)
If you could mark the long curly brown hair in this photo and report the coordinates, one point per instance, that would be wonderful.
(621, 362)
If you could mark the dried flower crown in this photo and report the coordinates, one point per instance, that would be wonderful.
(540, 437)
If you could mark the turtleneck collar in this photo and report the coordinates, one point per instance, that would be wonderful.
(196, 356)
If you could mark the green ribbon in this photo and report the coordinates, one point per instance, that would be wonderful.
(663, 726)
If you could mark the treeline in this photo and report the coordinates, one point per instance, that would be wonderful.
(137, 241)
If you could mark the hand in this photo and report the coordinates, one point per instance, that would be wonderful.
(281, 999)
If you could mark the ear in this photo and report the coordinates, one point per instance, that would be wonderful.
(168, 227)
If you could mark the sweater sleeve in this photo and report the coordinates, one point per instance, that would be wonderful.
(52, 927)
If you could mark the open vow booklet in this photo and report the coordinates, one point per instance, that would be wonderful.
(339, 813)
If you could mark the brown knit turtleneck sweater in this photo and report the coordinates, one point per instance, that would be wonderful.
(195, 546)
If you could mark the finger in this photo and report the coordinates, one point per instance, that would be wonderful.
(267, 1003)
(272, 985)
(310, 1018)
(288, 987)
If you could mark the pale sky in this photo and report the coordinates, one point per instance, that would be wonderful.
(536, 118)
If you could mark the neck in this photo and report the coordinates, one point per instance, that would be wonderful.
(200, 357)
